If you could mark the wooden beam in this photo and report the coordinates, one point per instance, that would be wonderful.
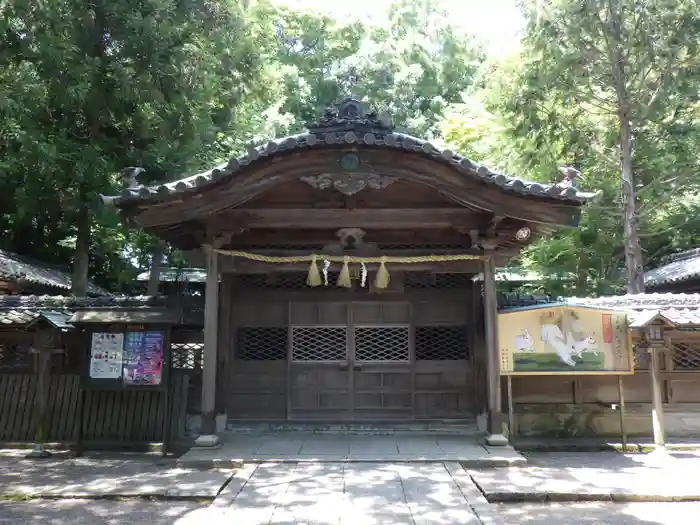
(240, 265)
(339, 218)
(256, 179)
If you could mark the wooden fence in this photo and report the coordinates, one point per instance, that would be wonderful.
(122, 416)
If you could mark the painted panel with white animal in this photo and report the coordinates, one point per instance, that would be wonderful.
(564, 340)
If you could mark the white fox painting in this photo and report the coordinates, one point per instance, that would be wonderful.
(565, 346)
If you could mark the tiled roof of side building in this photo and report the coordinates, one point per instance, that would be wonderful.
(681, 309)
(14, 267)
(348, 124)
(21, 310)
(681, 267)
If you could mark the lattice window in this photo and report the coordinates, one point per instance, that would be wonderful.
(312, 343)
(280, 281)
(442, 343)
(15, 356)
(436, 281)
(381, 343)
(642, 359)
(302, 247)
(261, 343)
(425, 246)
(686, 356)
(187, 356)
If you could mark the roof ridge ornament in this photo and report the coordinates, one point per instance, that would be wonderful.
(351, 114)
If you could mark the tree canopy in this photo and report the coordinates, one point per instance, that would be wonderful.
(608, 86)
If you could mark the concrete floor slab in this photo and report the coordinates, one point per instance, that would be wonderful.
(293, 447)
(349, 494)
(595, 476)
(99, 478)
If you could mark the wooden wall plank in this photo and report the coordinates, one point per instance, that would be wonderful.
(5, 404)
(21, 402)
(72, 409)
(129, 428)
(124, 416)
(26, 431)
(53, 421)
(111, 404)
(15, 385)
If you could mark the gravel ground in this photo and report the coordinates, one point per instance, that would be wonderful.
(95, 512)
(600, 513)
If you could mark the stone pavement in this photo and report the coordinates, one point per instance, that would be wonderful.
(123, 476)
(595, 476)
(599, 513)
(348, 493)
(297, 447)
(138, 512)
(95, 512)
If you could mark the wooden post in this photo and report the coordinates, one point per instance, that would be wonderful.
(511, 410)
(657, 410)
(621, 394)
(44, 339)
(494, 425)
(208, 437)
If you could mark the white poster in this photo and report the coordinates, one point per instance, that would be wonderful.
(106, 355)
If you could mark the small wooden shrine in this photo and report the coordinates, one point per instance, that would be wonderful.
(341, 272)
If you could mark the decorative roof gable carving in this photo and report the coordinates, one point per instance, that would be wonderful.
(351, 114)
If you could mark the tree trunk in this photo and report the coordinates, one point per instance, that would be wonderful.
(633, 249)
(156, 265)
(81, 259)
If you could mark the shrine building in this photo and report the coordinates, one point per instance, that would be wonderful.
(350, 273)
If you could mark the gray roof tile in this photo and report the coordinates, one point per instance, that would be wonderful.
(14, 267)
(682, 309)
(347, 123)
(22, 310)
(682, 267)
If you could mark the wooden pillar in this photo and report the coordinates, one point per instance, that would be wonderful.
(208, 437)
(494, 424)
(45, 337)
(657, 408)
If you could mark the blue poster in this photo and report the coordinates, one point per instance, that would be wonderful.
(143, 358)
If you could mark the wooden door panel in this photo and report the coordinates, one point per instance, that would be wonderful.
(320, 386)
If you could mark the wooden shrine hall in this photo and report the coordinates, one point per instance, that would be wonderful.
(350, 272)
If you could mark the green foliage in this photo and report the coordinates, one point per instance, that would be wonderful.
(88, 89)
(556, 104)
(413, 68)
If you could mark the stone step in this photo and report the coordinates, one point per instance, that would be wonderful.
(442, 427)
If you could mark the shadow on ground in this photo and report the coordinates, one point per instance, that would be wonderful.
(580, 476)
(600, 513)
(352, 493)
(91, 512)
(106, 476)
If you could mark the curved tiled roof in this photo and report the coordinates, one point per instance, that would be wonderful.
(20, 310)
(14, 267)
(642, 301)
(680, 308)
(347, 123)
(682, 267)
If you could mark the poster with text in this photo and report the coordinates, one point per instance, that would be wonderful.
(143, 358)
(106, 354)
(564, 340)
